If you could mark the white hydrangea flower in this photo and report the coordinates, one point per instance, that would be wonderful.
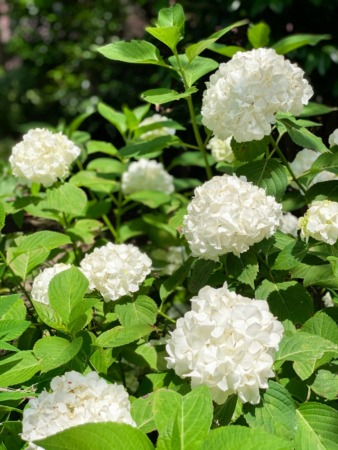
(157, 132)
(74, 399)
(303, 162)
(43, 157)
(221, 149)
(226, 342)
(320, 222)
(147, 174)
(173, 258)
(115, 270)
(333, 138)
(228, 215)
(41, 282)
(289, 224)
(327, 299)
(244, 94)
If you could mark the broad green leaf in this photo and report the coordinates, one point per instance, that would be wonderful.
(236, 436)
(248, 151)
(2, 216)
(24, 263)
(49, 316)
(176, 279)
(142, 412)
(101, 359)
(131, 228)
(225, 50)
(12, 329)
(276, 414)
(320, 276)
(287, 300)
(195, 69)
(326, 161)
(155, 126)
(18, 368)
(173, 16)
(114, 117)
(268, 174)
(136, 52)
(187, 159)
(143, 355)
(170, 36)
(304, 138)
(291, 256)
(161, 95)
(53, 351)
(101, 183)
(316, 109)
(322, 191)
(200, 274)
(224, 413)
(295, 41)
(10, 435)
(195, 49)
(152, 199)
(243, 268)
(46, 240)
(16, 395)
(85, 230)
(12, 307)
(98, 436)
(9, 347)
(325, 382)
(101, 146)
(106, 165)
(66, 198)
(322, 325)
(182, 422)
(259, 34)
(316, 427)
(66, 290)
(147, 147)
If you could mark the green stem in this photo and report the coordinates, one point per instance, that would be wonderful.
(110, 226)
(161, 313)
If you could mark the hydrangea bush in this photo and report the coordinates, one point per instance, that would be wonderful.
(178, 291)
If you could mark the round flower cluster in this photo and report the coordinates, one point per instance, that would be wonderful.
(289, 224)
(41, 282)
(146, 175)
(333, 138)
(74, 399)
(327, 300)
(226, 342)
(303, 162)
(115, 270)
(43, 157)
(221, 149)
(244, 94)
(228, 214)
(320, 222)
(156, 132)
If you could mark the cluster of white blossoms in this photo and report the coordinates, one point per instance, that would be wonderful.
(221, 149)
(244, 94)
(289, 224)
(320, 222)
(43, 157)
(333, 138)
(115, 270)
(228, 215)
(41, 282)
(226, 342)
(144, 175)
(156, 132)
(74, 399)
(303, 162)
(327, 299)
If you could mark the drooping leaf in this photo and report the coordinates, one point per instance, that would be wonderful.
(161, 95)
(316, 109)
(295, 41)
(114, 117)
(148, 147)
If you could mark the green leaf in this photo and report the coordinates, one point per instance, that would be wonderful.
(106, 165)
(229, 438)
(225, 50)
(259, 34)
(46, 240)
(136, 52)
(101, 146)
(325, 382)
(98, 436)
(195, 49)
(114, 117)
(322, 325)
(170, 36)
(295, 41)
(2, 216)
(291, 256)
(268, 174)
(141, 411)
(176, 279)
(66, 290)
(320, 276)
(316, 109)
(48, 316)
(173, 16)
(85, 230)
(200, 274)
(287, 300)
(322, 191)
(12, 307)
(103, 183)
(145, 148)
(316, 427)
(276, 414)
(66, 198)
(187, 159)
(195, 69)
(303, 137)
(152, 199)
(243, 268)
(18, 368)
(53, 351)
(161, 95)
(248, 151)
(182, 422)
(12, 329)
